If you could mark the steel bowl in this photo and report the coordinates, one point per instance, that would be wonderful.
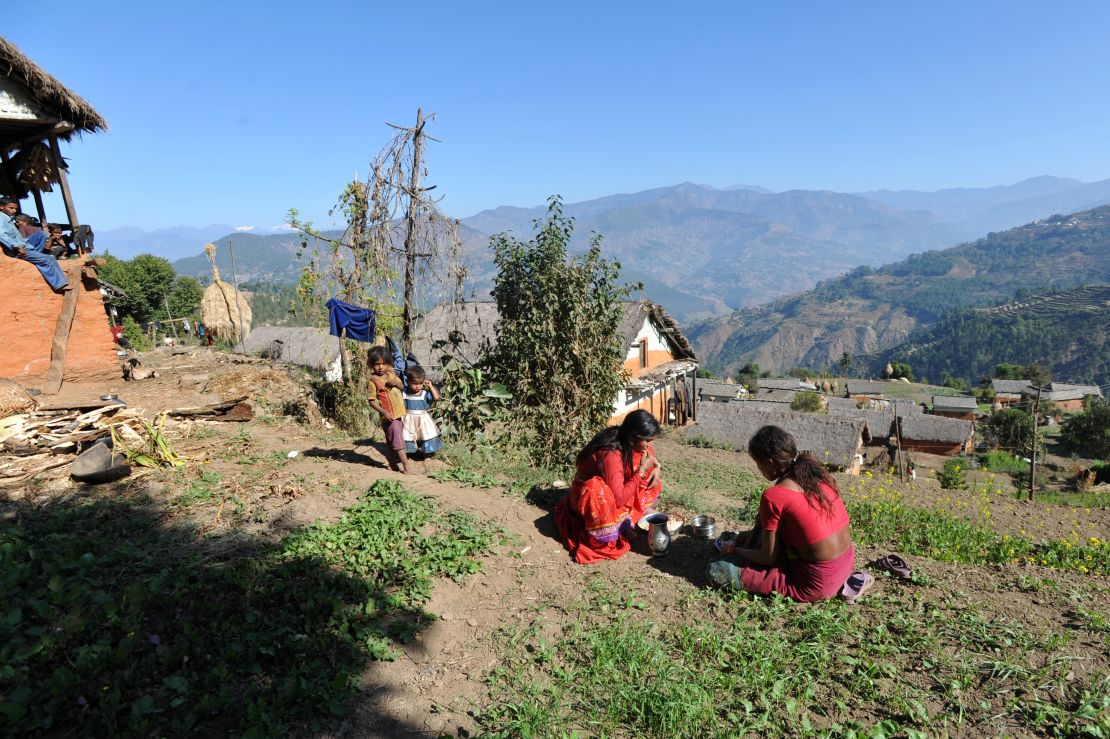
(703, 526)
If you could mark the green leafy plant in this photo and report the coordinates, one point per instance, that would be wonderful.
(806, 401)
(952, 476)
(469, 402)
(558, 351)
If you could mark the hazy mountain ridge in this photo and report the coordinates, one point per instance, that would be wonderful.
(867, 310)
(703, 251)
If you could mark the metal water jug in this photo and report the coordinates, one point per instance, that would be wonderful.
(659, 537)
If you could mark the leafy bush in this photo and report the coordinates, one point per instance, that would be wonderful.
(558, 351)
(806, 401)
(952, 477)
(1089, 431)
(1004, 462)
(134, 335)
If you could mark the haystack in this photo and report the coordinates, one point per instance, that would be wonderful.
(225, 311)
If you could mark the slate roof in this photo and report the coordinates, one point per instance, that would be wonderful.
(714, 389)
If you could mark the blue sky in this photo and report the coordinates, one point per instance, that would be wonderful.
(224, 113)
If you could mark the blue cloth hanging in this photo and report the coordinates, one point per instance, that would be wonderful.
(359, 322)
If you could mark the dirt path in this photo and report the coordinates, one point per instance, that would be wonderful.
(435, 686)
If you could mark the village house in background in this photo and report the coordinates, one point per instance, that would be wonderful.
(659, 361)
(955, 406)
(1068, 397)
(48, 338)
(311, 348)
(836, 442)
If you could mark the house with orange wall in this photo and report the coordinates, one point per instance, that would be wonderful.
(659, 362)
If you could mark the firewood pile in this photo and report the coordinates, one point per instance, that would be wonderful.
(34, 442)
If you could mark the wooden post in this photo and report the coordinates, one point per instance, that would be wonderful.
(39, 207)
(898, 441)
(61, 339)
(344, 360)
(173, 324)
(1033, 444)
(67, 196)
(240, 334)
(411, 217)
(694, 397)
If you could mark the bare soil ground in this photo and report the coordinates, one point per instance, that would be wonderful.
(440, 682)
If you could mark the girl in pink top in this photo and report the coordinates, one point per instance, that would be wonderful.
(801, 545)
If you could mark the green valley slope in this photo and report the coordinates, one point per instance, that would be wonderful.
(1067, 331)
(869, 310)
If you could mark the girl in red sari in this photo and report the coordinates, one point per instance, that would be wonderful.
(801, 545)
(616, 479)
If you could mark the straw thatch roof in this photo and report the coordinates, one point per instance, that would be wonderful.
(460, 330)
(844, 406)
(635, 311)
(1064, 391)
(924, 427)
(307, 347)
(714, 390)
(955, 403)
(457, 330)
(864, 387)
(33, 101)
(224, 311)
(1011, 387)
(835, 441)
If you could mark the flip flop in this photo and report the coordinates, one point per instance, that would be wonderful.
(857, 586)
(895, 565)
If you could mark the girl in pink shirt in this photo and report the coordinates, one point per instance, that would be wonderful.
(801, 545)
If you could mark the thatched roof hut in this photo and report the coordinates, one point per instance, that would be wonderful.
(224, 311)
(307, 347)
(837, 442)
(936, 434)
(34, 103)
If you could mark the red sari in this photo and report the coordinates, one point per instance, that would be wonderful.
(606, 501)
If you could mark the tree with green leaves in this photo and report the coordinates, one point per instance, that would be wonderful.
(558, 347)
(150, 284)
(1009, 428)
(1089, 431)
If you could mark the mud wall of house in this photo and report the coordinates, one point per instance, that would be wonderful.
(962, 415)
(29, 310)
(946, 448)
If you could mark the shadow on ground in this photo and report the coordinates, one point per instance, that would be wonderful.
(116, 621)
(351, 456)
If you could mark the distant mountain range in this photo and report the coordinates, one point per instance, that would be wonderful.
(702, 251)
(872, 311)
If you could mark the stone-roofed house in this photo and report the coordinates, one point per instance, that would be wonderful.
(837, 442)
(955, 406)
(658, 359)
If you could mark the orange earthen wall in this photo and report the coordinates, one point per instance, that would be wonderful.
(655, 358)
(29, 310)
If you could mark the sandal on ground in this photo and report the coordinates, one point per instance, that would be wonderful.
(857, 586)
(895, 565)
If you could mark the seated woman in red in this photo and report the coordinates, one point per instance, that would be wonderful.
(801, 546)
(616, 479)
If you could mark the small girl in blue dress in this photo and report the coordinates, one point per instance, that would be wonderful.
(420, 432)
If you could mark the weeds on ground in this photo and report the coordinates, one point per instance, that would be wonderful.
(703, 442)
(879, 517)
(467, 477)
(117, 622)
(740, 666)
(684, 484)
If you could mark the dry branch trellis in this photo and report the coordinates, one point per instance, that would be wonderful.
(396, 237)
